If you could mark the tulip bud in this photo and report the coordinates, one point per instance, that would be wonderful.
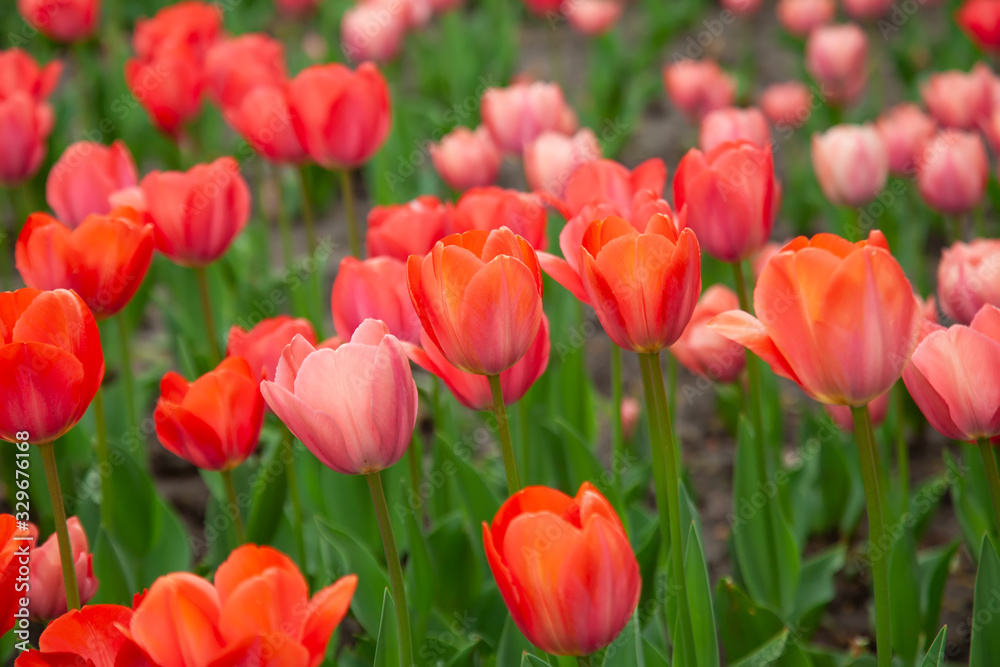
(407, 229)
(191, 24)
(732, 124)
(551, 159)
(85, 176)
(494, 208)
(373, 289)
(261, 347)
(61, 20)
(837, 57)
(48, 591)
(967, 278)
(953, 171)
(905, 129)
(703, 351)
(264, 119)
(373, 30)
(980, 20)
(169, 106)
(697, 87)
(520, 113)
(465, 159)
(801, 17)
(26, 123)
(787, 104)
(851, 163)
(235, 66)
(959, 99)
(20, 73)
(593, 17)
(606, 181)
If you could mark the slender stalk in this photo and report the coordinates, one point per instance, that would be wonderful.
(617, 392)
(584, 661)
(395, 569)
(62, 531)
(288, 454)
(875, 499)
(126, 351)
(500, 412)
(284, 223)
(902, 452)
(234, 506)
(103, 458)
(307, 212)
(990, 466)
(979, 224)
(665, 458)
(352, 221)
(206, 309)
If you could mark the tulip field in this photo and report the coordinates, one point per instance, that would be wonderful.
(499, 333)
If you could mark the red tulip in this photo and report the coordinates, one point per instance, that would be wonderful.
(407, 229)
(904, 130)
(593, 17)
(732, 124)
(565, 568)
(187, 24)
(61, 20)
(479, 298)
(342, 116)
(543, 7)
(373, 30)
(980, 20)
(842, 417)
(729, 198)
(235, 66)
(697, 87)
(264, 119)
(83, 178)
(52, 256)
(851, 163)
(800, 17)
(967, 278)
(958, 99)
(25, 124)
(606, 181)
(168, 86)
(953, 171)
(551, 159)
(198, 213)
(213, 422)
(91, 636)
(355, 406)
(48, 592)
(465, 159)
(373, 289)
(15, 554)
(20, 72)
(837, 318)
(520, 113)
(51, 363)
(787, 105)
(261, 346)
(703, 351)
(492, 208)
(837, 57)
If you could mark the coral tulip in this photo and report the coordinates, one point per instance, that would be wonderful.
(565, 568)
(91, 636)
(15, 554)
(697, 87)
(466, 159)
(407, 229)
(83, 178)
(967, 278)
(61, 20)
(732, 124)
(801, 17)
(593, 17)
(837, 57)
(48, 594)
(261, 346)
(188, 24)
(953, 171)
(729, 197)
(842, 417)
(980, 20)
(198, 213)
(492, 208)
(520, 113)
(51, 363)
(20, 72)
(213, 422)
(169, 86)
(787, 105)
(609, 182)
(959, 99)
(703, 351)
(264, 119)
(479, 298)
(838, 318)
(373, 30)
(355, 406)
(551, 159)
(25, 124)
(851, 163)
(234, 67)
(342, 116)
(373, 289)
(905, 129)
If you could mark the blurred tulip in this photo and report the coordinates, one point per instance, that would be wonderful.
(742, 7)
(928, 308)
(373, 289)
(697, 87)
(189, 24)
(15, 553)
(631, 411)
(787, 105)
(837, 58)
(606, 181)
(729, 198)
(959, 99)
(235, 66)
(373, 30)
(104, 260)
(355, 406)
(851, 163)
(198, 213)
(401, 230)
(169, 86)
(261, 346)
(552, 158)
(20, 72)
(968, 278)
(466, 159)
(565, 568)
(732, 124)
(543, 7)
(593, 17)
(264, 119)
(25, 125)
(61, 20)
(91, 637)
(51, 363)
(297, 7)
(800, 17)
(703, 351)
(342, 116)
(842, 417)
(980, 20)
(473, 391)
(905, 128)
(520, 113)
(863, 10)
(48, 593)
(214, 422)
(953, 171)
(83, 178)
(493, 208)
(838, 318)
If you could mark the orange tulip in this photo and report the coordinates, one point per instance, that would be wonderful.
(837, 318)
(373, 289)
(565, 568)
(492, 208)
(479, 298)
(407, 229)
(261, 346)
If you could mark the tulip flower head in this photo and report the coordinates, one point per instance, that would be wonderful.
(551, 159)
(520, 113)
(85, 176)
(851, 163)
(593, 17)
(698, 87)
(264, 119)
(837, 58)
(968, 278)
(61, 20)
(606, 181)
(732, 124)
(980, 20)
(493, 208)
(801, 17)
(787, 105)
(26, 122)
(959, 99)
(703, 351)
(262, 345)
(466, 159)
(407, 229)
(373, 289)
(19, 72)
(94, 636)
(905, 129)
(235, 66)
(953, 171)
(48, 592)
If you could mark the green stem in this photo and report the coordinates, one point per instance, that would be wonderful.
(990, 466)
(284, 223)
(617, 392)
(979, 224)
(395, 569)
(500, 412)
(352, 221)
(127, 382)
(307, 212)
(206, 310)
(584, 660)
(288, 445)
(875, 499)
(48, 453)
(234, 506)
(103, 458)
(902, 452)
(666, 474)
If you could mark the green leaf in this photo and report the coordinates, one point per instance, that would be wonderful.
(744, 627)
(387, 648)
(935, 655)
(132, 506)
(269, 487)
(816, 587)
(985, 646)
(419, 577)
(478, 502)
(935, 566)
(512, 644)
(458, 577)
(354, 557)
(170, 553)
(528, 660)
(768, 654)
(905, 607)
(626, 649)
(114, 571)
(699, 591)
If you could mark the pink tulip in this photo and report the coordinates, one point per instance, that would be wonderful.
(787, 105)
(48, 592)
(842, 417)
(958, 99)
(234, 67)
(85, 176)
(953, 171)
(800, 17)
(20, 73)
(373, 30)
(373, 289)
(552, 158)
(703, 351)
(851, 163)
(905, 129)
(25, 125)
(631, 410)
(520, 113)
(837, 57)
(354, 407)
(697, 87)
(969, 278)
(742, 7)
(407, 229)
(593, 17)
(465, 159)
(733, 124)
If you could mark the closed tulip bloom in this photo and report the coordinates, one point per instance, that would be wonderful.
(235, 66)
(466, 159)
(61, 20)
(342, 116)
(732, 124)
(188, 24)
(261, 346)
(905, 129)
(959, 99)
(953, 171)
(83, 178)
(851, 163)
(493, 208)
(373, 289)
(565, 568)
(520, 113)
(198, 213)
(729, 197)
(593, 17)
(355, 406)
(837, 58)
(800, 17)
(48, 592)
(842, 417)
(169, 86)
(839, 318)
(698, 86)
(703, 351)
(479, 298)
(90, 636)
(213, 422)
(980, 20)
(15, 552)
(373, 30)
(51, 363)
(104, 260)
(19, 72)
(25, 124)
(264, 119)
(607, 181)
(402, 230)
(866, 9)
(968, 278)
(473, 391)
(787, 105)
(552, 158)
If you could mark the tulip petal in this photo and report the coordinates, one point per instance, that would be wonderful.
(325, 612)
(749, 332)
(42, 386)
(560, 270)
(177, 623)
(246, 562)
